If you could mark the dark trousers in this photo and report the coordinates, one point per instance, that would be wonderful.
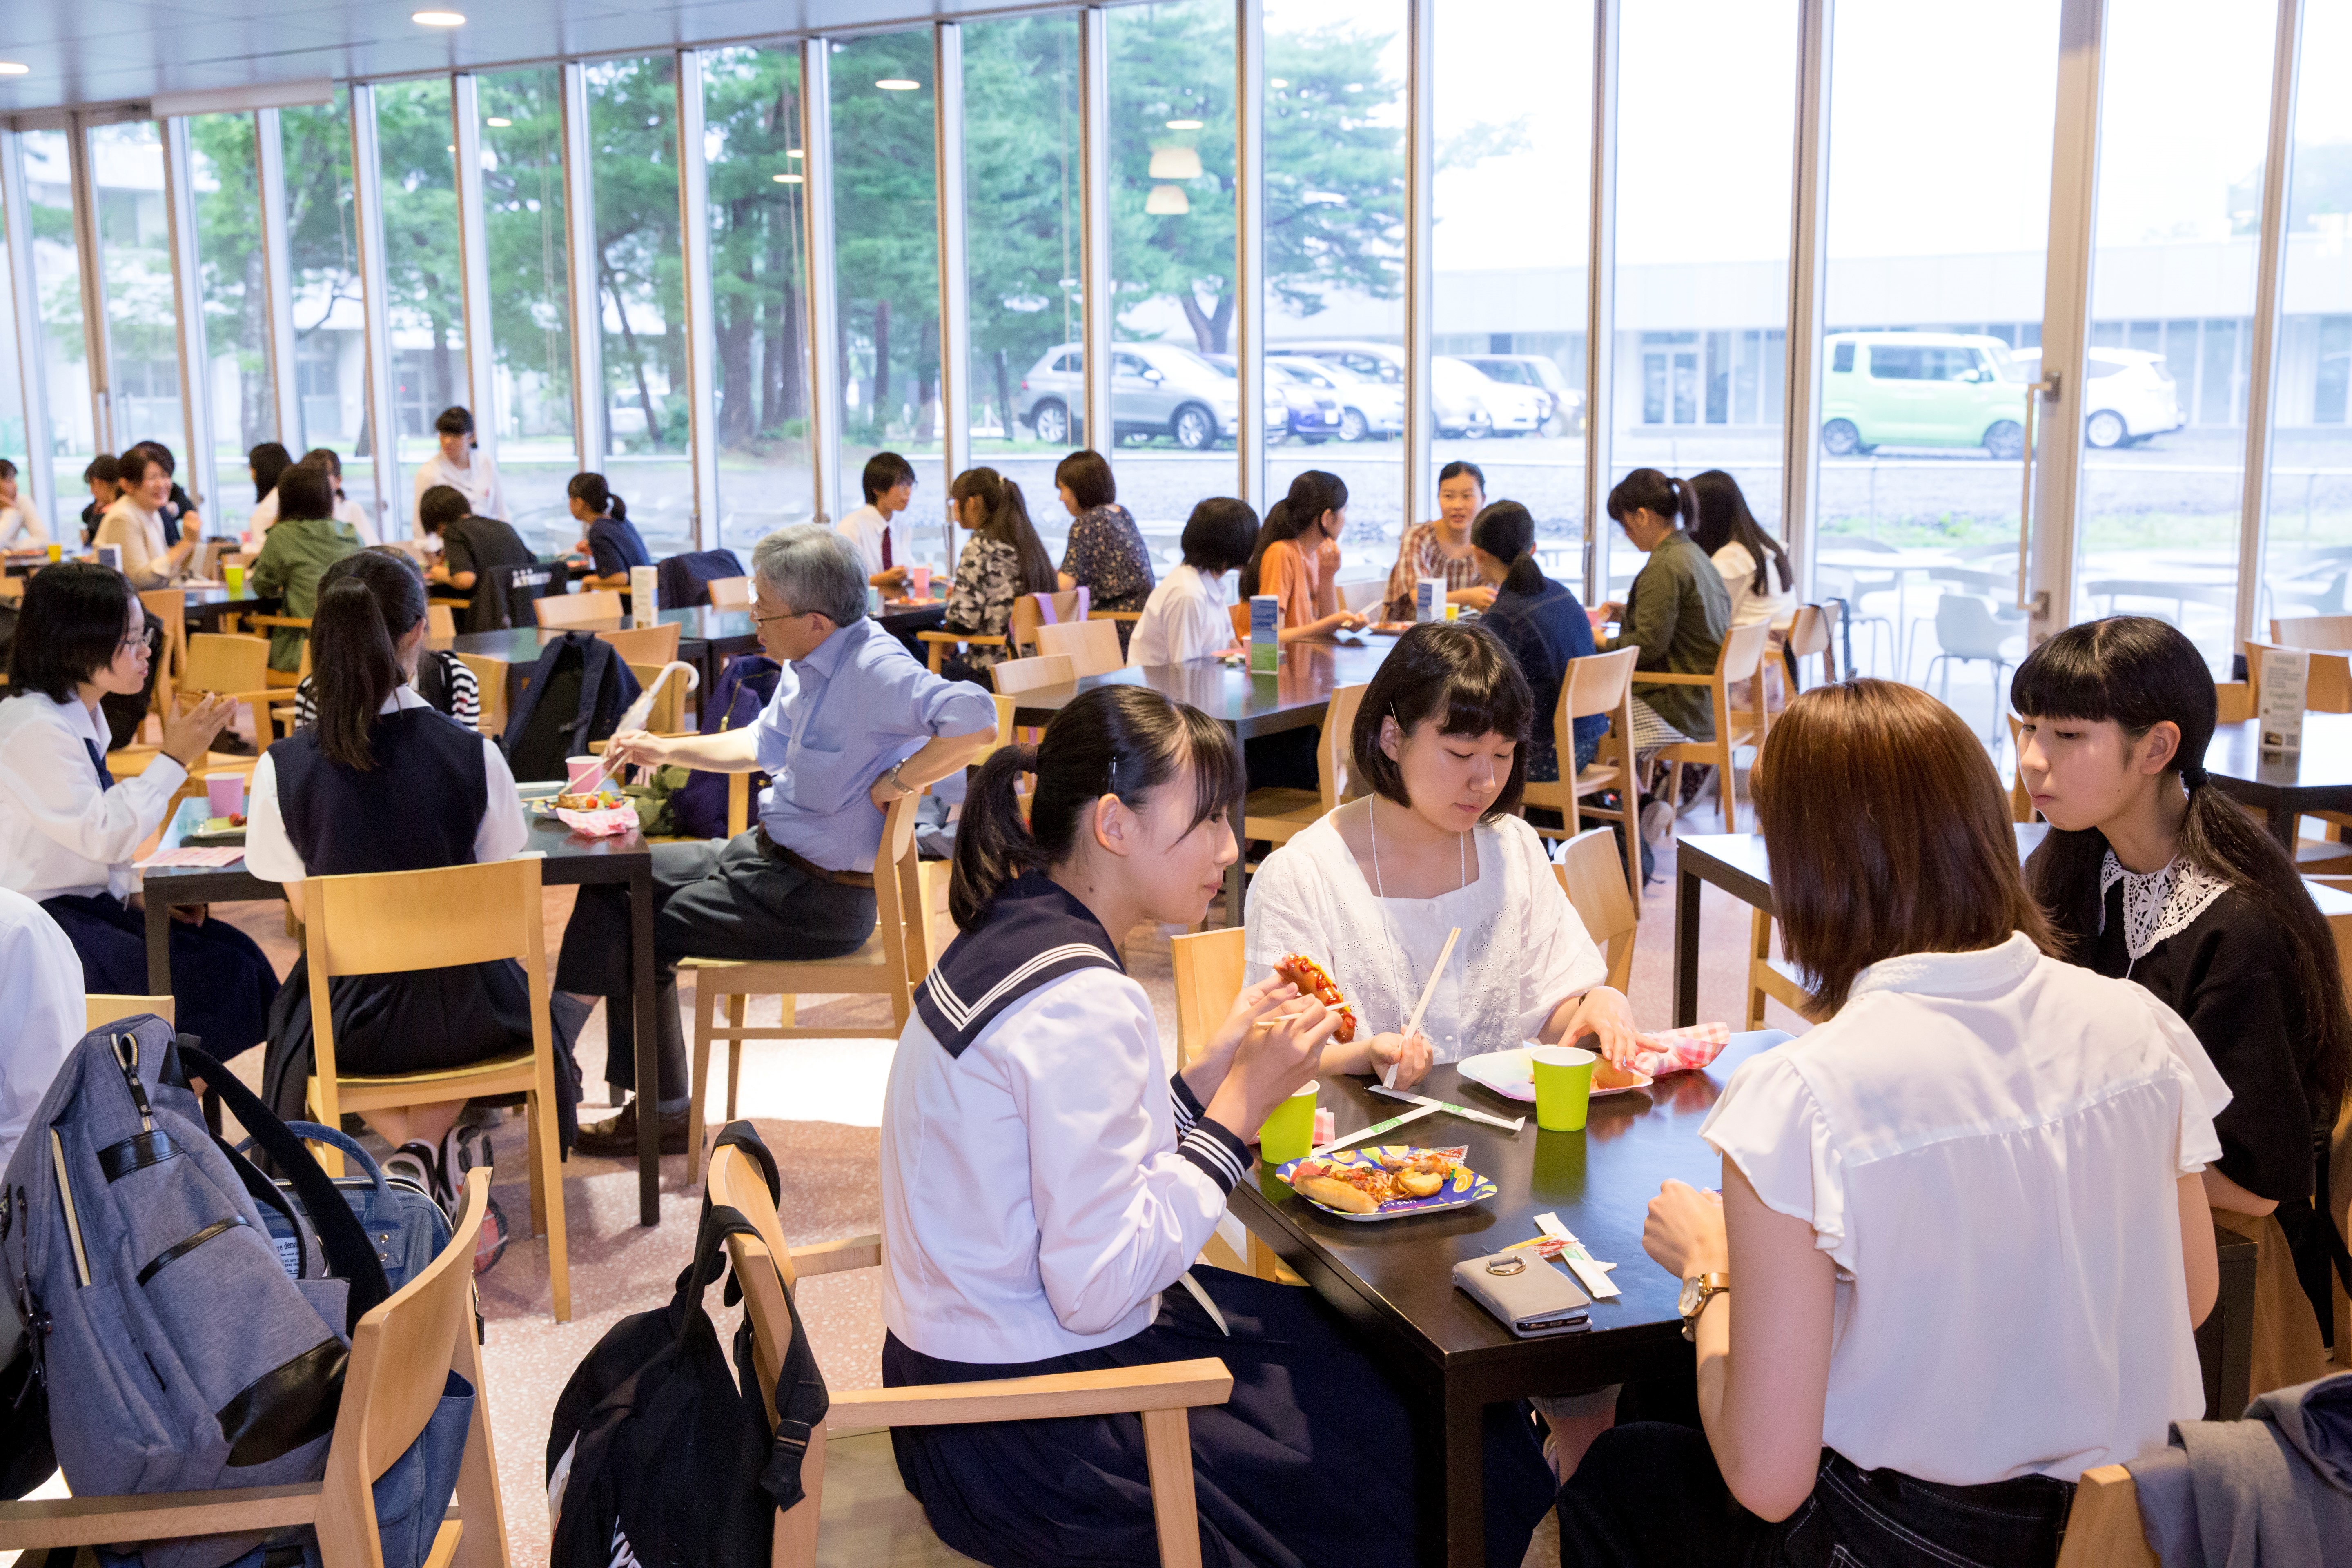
(222, 983)
(1650, 1495)
(717, 899)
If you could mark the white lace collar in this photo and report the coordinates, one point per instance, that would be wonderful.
(2159, 903)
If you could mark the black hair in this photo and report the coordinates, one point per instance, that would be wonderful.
(73, 617)
(305, 492)
(1507, 531)
(1006, 520)
(1220, 536)
(367, 602)
(440, 506)
(1455, 469)
(267, 461)
(454, 421)
(326, 457)
(1126, 741)
(1088, 475)
(1313, 492)
(1723, 518)
(159, 453)
(2138, 672)
(133, 465)
(7, 469)
(1647, 489)
(885, 470)
(105, 466)
(591, 491)
(1459, 675)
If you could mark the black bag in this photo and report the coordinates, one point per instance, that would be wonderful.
(658, 1454)
(684, 580)
(577, 692)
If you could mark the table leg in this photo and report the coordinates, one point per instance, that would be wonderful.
(642, 998)
(159, 947)
(1687, 893)
(2283, 820)
(1466, 1478)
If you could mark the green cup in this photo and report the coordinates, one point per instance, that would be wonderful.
(235, 577)
(1289, 1130)
(1563, 1086)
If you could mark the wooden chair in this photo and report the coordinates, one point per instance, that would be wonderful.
(97, 1008)
(1208, 969)
(440, 622)
(557, 612)
(169, 606)
(2103, 1528)
(489, 691)
(1092, 643)
(1029, 614)
(1741, 658)
(731, 593)
(1366, 595)
(1811, 630)
(2233, 701)
(1279, 815)
(2327, 689)
(656, 645)
(392, 922)
(236, 668)
(767, 1269)
(2331, 633)
(401, 1357)
(1587, 870)
(1597, 683)
(1769, 976)
(266, 624)
(891, 962)
(1019, 675)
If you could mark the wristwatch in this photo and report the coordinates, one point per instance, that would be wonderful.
(1697, 1292)
(896, 783)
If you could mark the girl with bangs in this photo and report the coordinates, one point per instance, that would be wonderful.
(1002, 560)
(1045, 1192)
(2151, 874)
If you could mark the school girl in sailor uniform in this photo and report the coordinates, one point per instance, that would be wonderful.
(1045, 1188)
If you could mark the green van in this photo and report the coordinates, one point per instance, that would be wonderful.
(1920, 389)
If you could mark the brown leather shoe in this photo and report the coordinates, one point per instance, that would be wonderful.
(617, 1139)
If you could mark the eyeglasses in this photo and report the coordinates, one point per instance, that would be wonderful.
(136, 640)
(759, 620)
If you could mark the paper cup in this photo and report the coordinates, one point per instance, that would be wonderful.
(57, 552)
(224, 794)
(1289, 1130)
(581, 773)
(1563, 1076)
(235, 577)
(922, 583)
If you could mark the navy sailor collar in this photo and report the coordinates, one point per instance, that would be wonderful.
(1033, 934)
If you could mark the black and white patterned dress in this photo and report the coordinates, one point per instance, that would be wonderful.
(987, 581)
(1107, 557)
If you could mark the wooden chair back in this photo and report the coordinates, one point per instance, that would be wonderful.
(440, 622)
(731, 593)
(2327, 687)
(1365, 595)
(169, 606)
(1005, 709)
(1018, 674)
(2330, 633)
(1597, 683)
(2102, 1527)
(1029, 615)
(489, 691)
(1208, 967)
(1594, 882)
(390, 922)
(2233, 701)
(1335, 774)
(1092, 646)
(655, 644)
(1812, 631)
(99, 1009)
(1740, 657)
(219, 662)
(563, 611)
(667, 716)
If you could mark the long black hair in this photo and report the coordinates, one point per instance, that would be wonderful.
(1507, 531)
(1652, 490)
(2138, 672)
(1723, 518)
(1006, 519)
(1126, 741)
(591, 491)
(267, 461)
(367, 602)
(1312, 493)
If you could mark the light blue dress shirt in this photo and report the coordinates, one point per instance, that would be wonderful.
(839, 719)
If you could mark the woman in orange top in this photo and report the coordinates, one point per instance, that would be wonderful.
(1297, 558)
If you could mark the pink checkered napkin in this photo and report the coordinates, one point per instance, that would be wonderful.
(1682, 1050)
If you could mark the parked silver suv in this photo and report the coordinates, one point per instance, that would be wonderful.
(1162, 390)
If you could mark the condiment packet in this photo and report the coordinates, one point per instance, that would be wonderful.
(1590, 1271)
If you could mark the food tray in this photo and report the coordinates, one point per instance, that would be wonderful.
(1466, 1188)
(1511, 1075)
(607, 821)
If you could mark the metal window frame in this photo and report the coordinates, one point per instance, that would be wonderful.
(367, 226)
(277, 277)
(24, 305)
(1601, 301)
(955, 281)
(701, 326)
(2270, 281)
(188, 305)
(474, 261)
(1249, 250)
(87, 261)
(1101, 429)
(584, 298)
(1800, 402)
(824, 347)
(1419, 283)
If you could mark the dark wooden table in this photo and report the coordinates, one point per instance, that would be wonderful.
(569, 860)
(1394, 1279)
(2285, 785)
(705, 638)
(1293, 697)
(209, 609)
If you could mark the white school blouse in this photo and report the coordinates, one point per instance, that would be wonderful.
(264, 516)
(1035, 1201)
(864, 528)
(59, 832)
(478, 482)
(1522, 953)
(1185, 617)
(1988, 1144)
(1736, 567)
(20, 524)
(41, 998)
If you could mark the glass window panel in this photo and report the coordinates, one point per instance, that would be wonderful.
(424, 282)
(56, 277)
(1335, 123)
(530, 324)
(887, 262)
(1922, 399)
(1172, 267)
(329, 325)
(1022, 200)
(13, 440)
(227, 189)
(2184, 117)
(1703, 192)
(751, 116)
(134, 244)
(633, 126)
(1513, 92)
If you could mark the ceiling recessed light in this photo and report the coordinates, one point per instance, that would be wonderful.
(896, 84)
(497, 121)
(1183, 125)
(792, 153)
(13, 67)
(438, 18)
(786, 179)
(453, 146)
(1277, 81)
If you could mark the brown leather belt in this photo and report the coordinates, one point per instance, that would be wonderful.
(775, 851)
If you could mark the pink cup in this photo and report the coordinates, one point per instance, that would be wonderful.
(922, 583)
(224, 794)
(581, 774)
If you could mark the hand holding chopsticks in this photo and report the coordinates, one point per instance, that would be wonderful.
(1388, 1079)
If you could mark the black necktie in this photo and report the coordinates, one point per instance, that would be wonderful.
(98, 761)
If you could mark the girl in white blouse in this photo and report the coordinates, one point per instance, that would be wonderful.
(1755, 569)
(1962, 1241)
(464, 467)
(1046, 1186)
(1187, 616)
(1371, 890)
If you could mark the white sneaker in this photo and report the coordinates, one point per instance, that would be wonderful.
(415, 1163)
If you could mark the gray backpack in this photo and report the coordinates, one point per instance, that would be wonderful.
(178, 1352)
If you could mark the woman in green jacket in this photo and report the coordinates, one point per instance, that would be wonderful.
(1677, 612)
(303, 543)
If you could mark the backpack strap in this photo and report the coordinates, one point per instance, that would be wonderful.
(744, 1136)
(349, 1254)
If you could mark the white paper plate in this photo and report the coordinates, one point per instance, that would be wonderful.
(1510, 1075)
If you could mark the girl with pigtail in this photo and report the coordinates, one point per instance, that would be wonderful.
(1002, 560)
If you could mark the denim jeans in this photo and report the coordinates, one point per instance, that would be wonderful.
(1649, 1495)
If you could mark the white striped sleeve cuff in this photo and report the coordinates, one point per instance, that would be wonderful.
(1217, 1151)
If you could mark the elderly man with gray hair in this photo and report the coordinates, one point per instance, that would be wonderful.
(854, 724)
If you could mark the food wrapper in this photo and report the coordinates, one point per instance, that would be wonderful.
(1681, 1051)
(604, 823)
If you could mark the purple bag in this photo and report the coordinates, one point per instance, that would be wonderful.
(744, 690)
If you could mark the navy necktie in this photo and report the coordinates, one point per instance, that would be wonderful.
(98, 761)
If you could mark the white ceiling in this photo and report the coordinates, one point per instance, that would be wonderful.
(120, 51)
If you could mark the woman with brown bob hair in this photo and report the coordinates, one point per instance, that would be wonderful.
(1984, 1152)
